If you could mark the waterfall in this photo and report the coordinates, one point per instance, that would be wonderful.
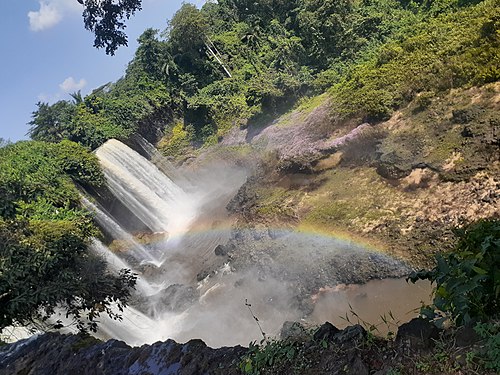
(151, 195)
(163, 164)
(115, 263)
(139, 252)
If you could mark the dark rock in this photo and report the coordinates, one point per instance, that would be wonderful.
(202, 275)
(351, 334)
(418, 334)
(293, 331)
(221, 250)
(178, 297)
(467, 132)
(464, 116)
(65, 354)
(466, 336)
(392, 171)
(296, 165)
(326, 332)
(244, 199)
(358, 367)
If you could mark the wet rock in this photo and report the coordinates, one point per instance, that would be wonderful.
(71, 354)
(220, 250)
(178, 297)
(293, 331)
(276, 233)
(351, 334)
(244, 199)
(418, 334)
(326, 332)
(203, 275)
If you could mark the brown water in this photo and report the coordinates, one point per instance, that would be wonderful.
(369, 304)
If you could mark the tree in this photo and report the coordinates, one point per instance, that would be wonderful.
(4, 142)
(105, 18)
(52, 123)
(44, 237)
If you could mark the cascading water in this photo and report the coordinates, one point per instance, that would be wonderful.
(151, 195)
(139, 252)
(115, 263)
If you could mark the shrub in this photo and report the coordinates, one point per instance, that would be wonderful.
(467, 279)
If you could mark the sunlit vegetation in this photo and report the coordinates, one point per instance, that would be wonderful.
(234, 62)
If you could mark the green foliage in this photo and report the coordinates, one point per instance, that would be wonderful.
(468, 279)
(105, 18)
(44, 235)
(268, 355)
(445, 49)
(490, 356)
(235, 61)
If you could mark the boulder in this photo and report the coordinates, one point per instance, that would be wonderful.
(293, 331)
(352, 334)
(417, 334)
(326, 332)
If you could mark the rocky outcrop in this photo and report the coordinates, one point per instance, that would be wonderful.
(325, 350)
(54, 354)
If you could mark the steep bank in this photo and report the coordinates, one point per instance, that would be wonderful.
(403, 184)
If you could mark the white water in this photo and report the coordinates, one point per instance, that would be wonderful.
(151, 195)
(115, 263)
(117, 232)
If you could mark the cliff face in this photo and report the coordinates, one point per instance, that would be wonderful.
(404, 183)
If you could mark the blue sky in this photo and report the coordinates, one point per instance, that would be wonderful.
(46, 53)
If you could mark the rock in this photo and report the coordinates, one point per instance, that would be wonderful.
(300, 164)
(418, 334)
(466, 336)
(293, 331)
(326, 332)
(220, 250)
(53, 353)
(466, 115)
(467, 132)
(358, 367)
(178, 297)
(350, 334)
(392, 171)
(276, 233)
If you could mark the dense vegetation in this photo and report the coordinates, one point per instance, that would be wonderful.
(234, 62)
(44, 235)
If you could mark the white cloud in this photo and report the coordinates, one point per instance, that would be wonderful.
(51, 12)
(70, 85)
(45, 18)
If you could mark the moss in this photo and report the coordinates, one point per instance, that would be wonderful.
(276, 202)
(177, 142)
(303, 108)
(84, 341)
(350, 198)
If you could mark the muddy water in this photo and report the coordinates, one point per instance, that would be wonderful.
(394, 300)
